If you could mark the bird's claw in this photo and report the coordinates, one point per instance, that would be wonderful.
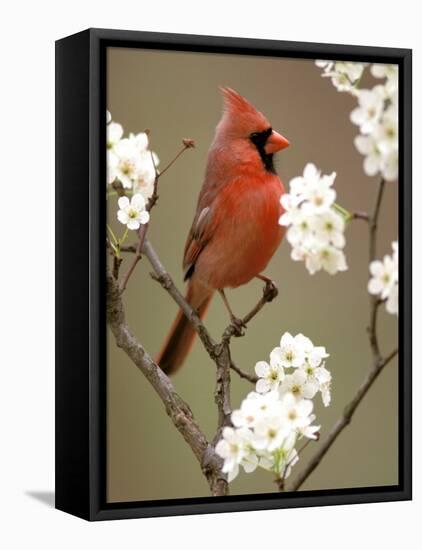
(238, 326)
(270, 291)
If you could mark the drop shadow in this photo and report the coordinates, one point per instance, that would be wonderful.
(45, 497)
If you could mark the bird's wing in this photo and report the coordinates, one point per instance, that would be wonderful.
(199, 234)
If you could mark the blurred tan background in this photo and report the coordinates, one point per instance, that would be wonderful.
(176, 96)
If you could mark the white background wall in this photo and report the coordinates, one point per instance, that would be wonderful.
(27, 240)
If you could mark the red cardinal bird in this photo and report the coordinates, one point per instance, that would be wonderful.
(235, 231)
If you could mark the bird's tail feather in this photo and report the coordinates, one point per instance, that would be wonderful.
(182, 334)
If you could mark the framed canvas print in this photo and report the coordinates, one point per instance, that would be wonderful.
(233, 220)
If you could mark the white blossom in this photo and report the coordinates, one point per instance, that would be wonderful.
(283, 459)
(112, 162)
(368, 146)
(326, 257)
(392, 303)
(379, 70)
(255, 407)
(291, 352)
(300, 385)
(344, 75)
(384, 281)
(270, 432)
(295, 352)
(390, 166)
(114, 134)
(133, 212)
(386, 132)
(383, 277)
(391, 84)
(324, 378)
(315, 229)
(329, 228)
(316, 355)
(130, 161)
(321, 377)
(376, 114)
(144, 180)
(324, 64)
(296, 412)
(231, 448)
(236, 448)
(267, 425)
(310, 432)
(270, 375)
(301, 184)
(395, 247)
(320, 196)
(367, 114)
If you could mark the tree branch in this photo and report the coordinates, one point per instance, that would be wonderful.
(373, 221)
(269, 292)
(178, 411)
(188, 143)
(374, 300)
(218, 352)
(343, 421)
(142, 231)
(161, 275)
(360, 216)
(251, 377)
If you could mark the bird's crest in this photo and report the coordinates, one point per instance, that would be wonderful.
(241, 114)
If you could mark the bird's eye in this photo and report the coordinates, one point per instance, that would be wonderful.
(261, 137)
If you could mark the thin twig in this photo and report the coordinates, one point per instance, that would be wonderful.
(342, 422)
(280, 482)
(373, 222)
(303, 448)
(269, 293)
(280, 479)
(360, 216)
(131, 248)
(374, 300)
(251, 377)
(142, 231)
(187, 144)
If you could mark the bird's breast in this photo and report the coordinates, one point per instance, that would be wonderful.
(246, 231)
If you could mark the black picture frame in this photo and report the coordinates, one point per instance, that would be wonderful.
(80, 273)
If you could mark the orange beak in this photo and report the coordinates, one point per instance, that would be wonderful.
(276, 142)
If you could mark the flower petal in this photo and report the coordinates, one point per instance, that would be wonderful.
(123, 202)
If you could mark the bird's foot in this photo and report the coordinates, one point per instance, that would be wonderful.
(270, 291)
(238, 326)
